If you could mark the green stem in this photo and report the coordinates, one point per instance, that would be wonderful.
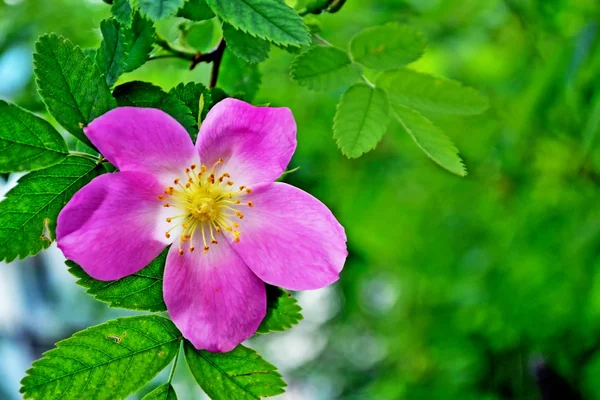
(186, 55)
(84, 155)
(174, 366)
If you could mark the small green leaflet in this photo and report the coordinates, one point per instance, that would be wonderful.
(106, 361)
(240, 374)
(362, 118)
(272, 20)
(144, 94)
(70, 84)
(28, 214)
(237, 77)
(159, 9)
(196, 10)
(426, 93)
(387, 47)
(324, 68)
(430, 139)
(27, 142)
(283, 311)
(249, 48)
(121, 10)
(163, 392)
(189, 94)
(140, 291)
(124, 49)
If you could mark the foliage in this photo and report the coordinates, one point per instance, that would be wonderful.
(253, 42)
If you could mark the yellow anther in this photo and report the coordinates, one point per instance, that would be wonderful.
(248, 190)
(193, 166)
(214, 242)
(169, 220)
(161, 197)
(250, 204)
(167, 235)
(230, 183)
(180, 251)
(166, 205)
(176, 181)
(206, 248)
(192, 249)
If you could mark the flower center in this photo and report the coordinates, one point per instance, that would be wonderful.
(208, 205)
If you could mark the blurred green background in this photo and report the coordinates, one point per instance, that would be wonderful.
(484, 287)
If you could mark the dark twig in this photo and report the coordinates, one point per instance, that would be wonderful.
(195, 58)
(331, 6)
(217, 58)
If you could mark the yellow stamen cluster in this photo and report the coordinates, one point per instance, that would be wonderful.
(207, 202)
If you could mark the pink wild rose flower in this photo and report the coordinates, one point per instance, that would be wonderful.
(230, 226)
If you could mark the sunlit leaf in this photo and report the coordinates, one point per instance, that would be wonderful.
(240, 374)
(386, 47)
(70, 84)
(361, 119)
(430, 139)
(107, 361)
(249, 48)
(27, 142)
(428, 93)
(272, 20)
(324, 68)
(29, 212)
(139, 291)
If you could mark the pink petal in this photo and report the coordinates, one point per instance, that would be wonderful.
(143, 139)
(290, 239)
(256, 143)
(110, 226)
(213, 298)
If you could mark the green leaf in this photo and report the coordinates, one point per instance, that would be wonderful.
(249, 48)
(324, 68)
(196, 10)
(124, 49)
(386, 47)
(362, 118)
(141, 40)
(283, 311)
(106, 361)
(27, 142)
(163, 392)
(139, 291)
(189, 94)
(144, 94)
(202, 36)
(239, 78)
(70, 84)
(427, 93)
(111, 55)
(272, 20)
(122, 11)
(240, 374)
(28, 214)
(430, 139)
(159, 9)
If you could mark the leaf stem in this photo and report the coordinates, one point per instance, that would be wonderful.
(214, 56)
(172, 374)
(84, 155)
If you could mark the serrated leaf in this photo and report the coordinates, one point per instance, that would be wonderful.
(283, 311)
(196, 10)
(386, 47)
(189, 94)
(141, 40)
(144, 94)
(362, 118)
(324, 68)
(159, 9)
(272, 20)
(426, 93)
(124, 49)
(249, 48)
(139, 291)
(434, 143)
(239, 78)
(70, 84)
(27, 142)
(163, 392)
(28, 214)
(240, 374)
(107, 361)
(111, 55)
(122, 11)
